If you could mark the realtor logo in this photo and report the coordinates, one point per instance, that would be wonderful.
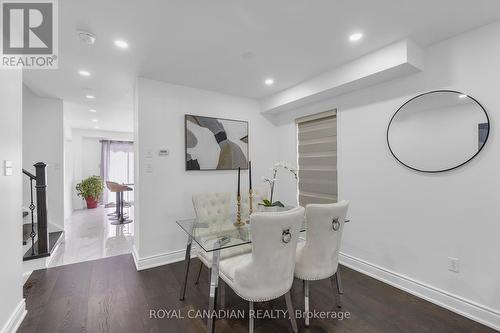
(29, 34)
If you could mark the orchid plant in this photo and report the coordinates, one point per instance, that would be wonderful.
(272, 182)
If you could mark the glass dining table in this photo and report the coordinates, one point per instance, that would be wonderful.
(214, 234)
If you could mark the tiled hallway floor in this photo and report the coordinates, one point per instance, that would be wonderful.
(88, 235)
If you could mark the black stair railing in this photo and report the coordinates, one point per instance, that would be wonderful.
(32, 209)
(39, 180)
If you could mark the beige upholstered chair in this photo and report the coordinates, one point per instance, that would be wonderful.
(318, 257)
(211, 204)
(209, 207)
(267, 272)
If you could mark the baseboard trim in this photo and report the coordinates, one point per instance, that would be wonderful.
(464, 307)
(15, 319)
(135, 255)
(57, 225)
(26, 276)
(159, 259)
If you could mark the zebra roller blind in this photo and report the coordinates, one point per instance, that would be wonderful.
(317, 158)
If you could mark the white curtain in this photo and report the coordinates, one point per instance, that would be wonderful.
(117, 165)
(105, 168)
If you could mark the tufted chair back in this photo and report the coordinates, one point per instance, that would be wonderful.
(318, 258)
(269, 272)
(208, 205)
(259, 194)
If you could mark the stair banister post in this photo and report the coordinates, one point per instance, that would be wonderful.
(41, 207)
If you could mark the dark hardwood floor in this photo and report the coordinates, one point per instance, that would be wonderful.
(109, 295)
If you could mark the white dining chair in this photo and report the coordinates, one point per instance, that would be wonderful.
(209, 207)
(267, 272)
(318, 257)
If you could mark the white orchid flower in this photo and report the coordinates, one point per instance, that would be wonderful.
(269, 180)
(278, 165)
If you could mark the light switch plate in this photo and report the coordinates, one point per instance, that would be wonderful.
(453, 265)
(8, 168)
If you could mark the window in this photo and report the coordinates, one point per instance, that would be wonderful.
(317, 158)
(117, 165)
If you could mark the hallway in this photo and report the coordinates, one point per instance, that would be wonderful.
(88, 235)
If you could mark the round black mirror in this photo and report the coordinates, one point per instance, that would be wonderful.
(438, 131)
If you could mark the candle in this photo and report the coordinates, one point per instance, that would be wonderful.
(250, 174)
(239, 170)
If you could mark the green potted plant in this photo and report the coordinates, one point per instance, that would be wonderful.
(90, 189)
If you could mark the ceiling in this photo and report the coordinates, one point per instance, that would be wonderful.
(229, 46)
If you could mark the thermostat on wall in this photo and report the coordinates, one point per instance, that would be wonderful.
(163, 152)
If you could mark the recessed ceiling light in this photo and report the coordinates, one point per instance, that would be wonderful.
(83, 72)
(269, 82)
(93, 110)
(462, 96)
(86, 37)
(90, 96)
(355, 37)
(121, 44)
(96, 127)
(95, 120)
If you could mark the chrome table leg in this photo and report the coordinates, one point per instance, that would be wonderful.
(222, 288)
(187, 260)
(214, 284)
(199, 273)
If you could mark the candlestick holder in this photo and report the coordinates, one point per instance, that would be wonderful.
(238, 222)
(250, 204)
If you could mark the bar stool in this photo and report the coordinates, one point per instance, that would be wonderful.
(121, 218)
(113, 187)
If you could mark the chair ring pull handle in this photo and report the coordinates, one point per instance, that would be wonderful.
(286, 236)
(335, 224)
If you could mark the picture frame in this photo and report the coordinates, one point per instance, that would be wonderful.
(215, 143)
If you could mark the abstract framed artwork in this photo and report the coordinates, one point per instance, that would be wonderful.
(215, 143)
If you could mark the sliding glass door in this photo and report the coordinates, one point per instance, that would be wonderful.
(117, 165)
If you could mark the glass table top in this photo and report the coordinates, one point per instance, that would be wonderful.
(220, 232)
(217, 232)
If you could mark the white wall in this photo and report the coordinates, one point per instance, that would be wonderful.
(91, 157)
(12, 308)
(165, 193)
(43, 141)
(406, 224)
(84, 152)
(68, 178)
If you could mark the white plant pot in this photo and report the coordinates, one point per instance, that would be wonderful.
(270, 209)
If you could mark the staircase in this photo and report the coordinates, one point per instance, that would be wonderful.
(39, 242)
